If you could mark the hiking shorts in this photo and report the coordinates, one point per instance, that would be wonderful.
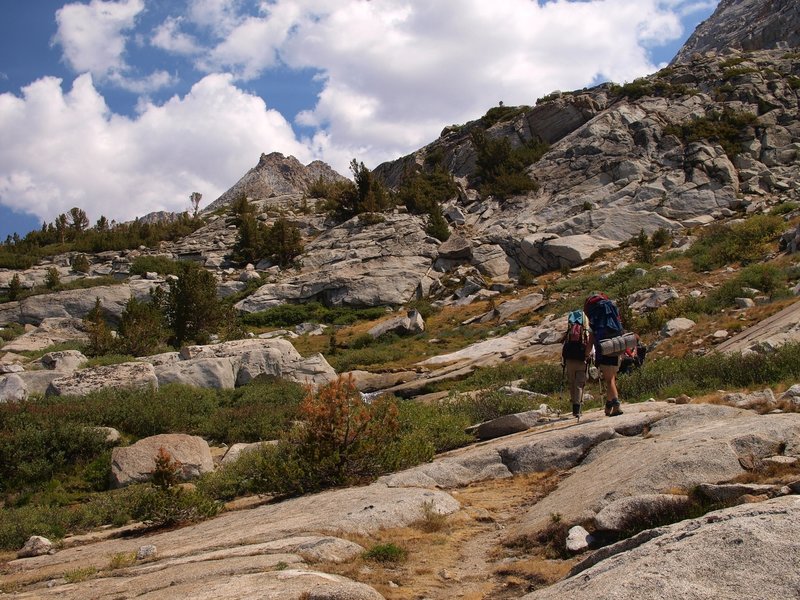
(610, 361)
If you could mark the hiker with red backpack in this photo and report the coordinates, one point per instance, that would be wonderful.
(609, 339)
(575, 356)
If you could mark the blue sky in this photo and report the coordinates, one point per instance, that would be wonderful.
(123, 107)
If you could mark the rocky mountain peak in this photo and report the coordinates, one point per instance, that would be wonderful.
(276, 175)
(745, 25)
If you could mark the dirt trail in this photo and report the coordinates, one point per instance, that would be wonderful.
(468, 556)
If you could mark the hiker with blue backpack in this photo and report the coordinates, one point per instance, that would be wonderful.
(609, 339)
(575, 357)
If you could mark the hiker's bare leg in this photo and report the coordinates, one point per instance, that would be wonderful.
(610, 378)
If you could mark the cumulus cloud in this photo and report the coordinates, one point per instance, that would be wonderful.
(393, 74)
(65, 149)
(168, 36)
(396, 71)
(94, 37)
(219, 16)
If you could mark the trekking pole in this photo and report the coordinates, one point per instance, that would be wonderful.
(583, 390)
(563, 377)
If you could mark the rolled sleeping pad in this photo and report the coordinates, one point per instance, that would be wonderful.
(617, 345)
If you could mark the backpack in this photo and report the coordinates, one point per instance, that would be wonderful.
(603, 316)
(576, 338)
(633, 358)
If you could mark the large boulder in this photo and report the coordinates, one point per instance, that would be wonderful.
(49, 332)
(63, 360)
(215, 373)
(357, 263)
(12, 388)
(128, 375)
(254, 357)
(740, 552)
(77, 303)
(136, 463)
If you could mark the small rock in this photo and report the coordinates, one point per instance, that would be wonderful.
(578, 539)
(146, 551)
(720, 334)
(744, 303)
(35, 546)
(683, 399)
(675, 326)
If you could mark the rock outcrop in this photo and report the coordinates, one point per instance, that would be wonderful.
(746, 25)
(275, 175)
(240, 361)
(731, 553)
(80, 383)
(75, 304)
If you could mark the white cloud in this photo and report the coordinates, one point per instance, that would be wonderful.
(393, 73)
(94, 38)
(67, 149)
(396, 71)
(92, 35)
(219, 16)
(168, 36)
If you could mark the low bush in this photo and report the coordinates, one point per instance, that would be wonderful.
(743, 242)
(386, 553)
(162, 265)
(288, 315)
(702, 374)
(725, 127)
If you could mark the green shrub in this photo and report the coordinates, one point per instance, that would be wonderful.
(80, 574)
(108, 359)
(142, 330)
(501, 169)
(288, 315)
(80, 264)
(14, 287)
(52, 279)
(702, 374)
(422, 192)
(261, 410)
(36, 444)
(386, 553)
(743, 242)
(500, 114)
(165, 507)
(162, 265)
(784, 208)
(437, 226)
(726, 127)
(11, 331)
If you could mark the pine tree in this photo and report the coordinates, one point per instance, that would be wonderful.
(101, 341)
(14, 287)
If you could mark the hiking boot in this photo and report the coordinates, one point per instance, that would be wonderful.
(576, 410)
(615, 410)
(609, 406)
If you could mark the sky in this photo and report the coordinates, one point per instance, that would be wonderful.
(125, 107)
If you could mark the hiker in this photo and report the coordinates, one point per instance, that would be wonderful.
(632, 358)
(606, 325)
(575, 355)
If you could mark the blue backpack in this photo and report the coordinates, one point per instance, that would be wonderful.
(603, 316)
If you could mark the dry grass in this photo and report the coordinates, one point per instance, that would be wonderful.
(461, 555)
(770, 473)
